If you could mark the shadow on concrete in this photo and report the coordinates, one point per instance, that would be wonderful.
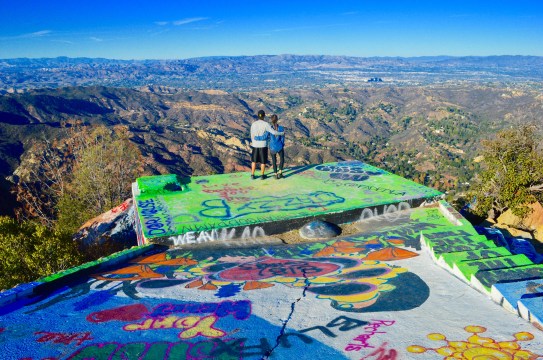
(296, 170)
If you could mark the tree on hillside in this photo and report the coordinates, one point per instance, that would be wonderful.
(102, 175)
(512, 175)
(86, 174)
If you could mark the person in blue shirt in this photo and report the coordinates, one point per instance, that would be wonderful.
(277, 144)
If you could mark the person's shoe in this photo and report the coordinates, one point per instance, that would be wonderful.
(280, 175)
(263, 177)
(276, 176)
(253, 177)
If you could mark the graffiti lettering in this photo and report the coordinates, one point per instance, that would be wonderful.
(123, 207)
(152, 222)
(382, 353)
(365, 187)
(192, 237)
(192, 326)
(211, 349)
(227, 192)
(343, 323)
(241, 310)
(266, 268)
(228, 224)
(215, 348)
(354, 172)
(63, 338)
(371, 330)
(220, 209)
(390, 212)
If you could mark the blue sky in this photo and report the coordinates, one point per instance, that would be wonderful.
(121, 29)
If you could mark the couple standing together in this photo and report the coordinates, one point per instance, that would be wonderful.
(261, 134)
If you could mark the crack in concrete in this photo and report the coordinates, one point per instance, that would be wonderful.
(268, 353)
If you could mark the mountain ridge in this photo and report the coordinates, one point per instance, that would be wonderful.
(406, 129)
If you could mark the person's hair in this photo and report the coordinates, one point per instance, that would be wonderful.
(261, 114)
(274, 120)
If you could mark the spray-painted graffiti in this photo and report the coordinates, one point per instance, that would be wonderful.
(153, 220)
(390, 212)
(383, 352)
(228, 200)
(479, 347)
(354, 171)
(228, 192)
(363, 186)
(350, 284)
(63, 338)
(350, 274)
(192, 237)
(214, 348)
(370, 330)
(220, 209)
(240, 310)
(123, 207)
(191, 326)
(343, 323)
(312, 300)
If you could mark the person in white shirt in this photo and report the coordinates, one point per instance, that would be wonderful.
(259, 137)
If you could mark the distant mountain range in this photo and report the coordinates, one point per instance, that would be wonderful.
(265, 72)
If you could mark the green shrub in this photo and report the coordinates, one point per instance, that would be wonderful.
(29, 251)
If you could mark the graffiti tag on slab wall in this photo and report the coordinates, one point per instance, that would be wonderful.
(390, 212)
(224, 235)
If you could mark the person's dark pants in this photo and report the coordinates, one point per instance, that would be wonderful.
(281, 160)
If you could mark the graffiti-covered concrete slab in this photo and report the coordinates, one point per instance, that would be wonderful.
(177, 211)
(509, 294)
(372, 295)
(486, 278)
(531, 309)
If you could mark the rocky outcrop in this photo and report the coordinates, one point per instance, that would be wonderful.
(531, 227)
(115, 227)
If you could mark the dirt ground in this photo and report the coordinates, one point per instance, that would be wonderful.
(293, 236)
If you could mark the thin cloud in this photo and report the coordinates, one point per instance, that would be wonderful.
(36, 34)
(94, 38)
(162, 23)
(63, 42)
(188, 20)
(32, 35)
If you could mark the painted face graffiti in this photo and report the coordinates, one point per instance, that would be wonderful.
(350, 273)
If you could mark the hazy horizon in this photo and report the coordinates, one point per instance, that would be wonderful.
(269, 55)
